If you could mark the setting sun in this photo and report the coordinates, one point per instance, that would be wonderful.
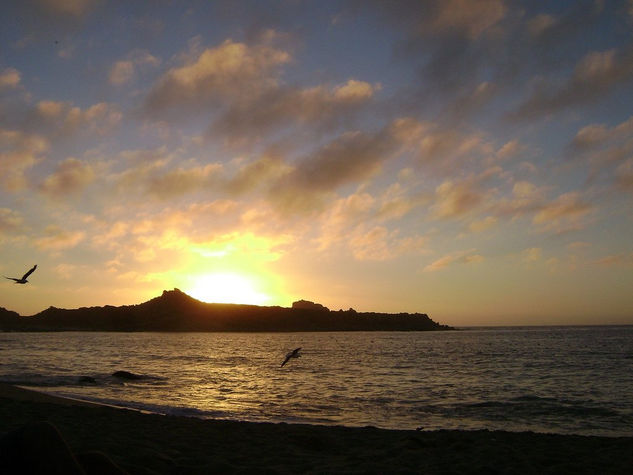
(227, 288)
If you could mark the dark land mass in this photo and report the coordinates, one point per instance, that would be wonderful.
(175, 311)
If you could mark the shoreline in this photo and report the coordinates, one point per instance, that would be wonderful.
(19, 393)
(152, 443)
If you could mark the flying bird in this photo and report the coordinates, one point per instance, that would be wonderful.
(292, 354)
(24, 277)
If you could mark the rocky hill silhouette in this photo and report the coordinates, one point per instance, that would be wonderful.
(175, 311)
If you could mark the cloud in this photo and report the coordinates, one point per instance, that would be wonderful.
(596, 135)
(231, 71)
(624, 175)
(442, 17)
(321, 106)
(540, 24)
(616, 260)
(353, 157)
(607, 149)
(509, 149)
(551, 32)
(72, 8)
(194, 220)
(469, 54)
(453, 46)
(598, 73)
(436, 148)
(469, 101)
(380, 244)
(179, 181)
(10, 220)
(19, 151)
(258, 173)
(158, 173)
(459, 257)
(565, 213)
(71, 176)
(9, 78)
(482, 224)
(526, 198)
(44, 20)
(64, 119)
(578, 245)
(354, 91)
(455, 199)
(237, 86)
(121, 72)
(342, 215)
(590, 136)
(466, 17)
(58, 239)
(397, 201)
(531, 255)
(109, 232)
(126, 70)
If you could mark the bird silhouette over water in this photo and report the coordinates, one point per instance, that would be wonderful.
(24, 277)
(292, 354)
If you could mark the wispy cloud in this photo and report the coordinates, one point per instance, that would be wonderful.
(565, 213)
(10, 220)
(615, 260)
(58, 239)
(9, 78)
(595, 75)
(459, 257)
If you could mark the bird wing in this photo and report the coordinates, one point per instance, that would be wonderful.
(29, 272)
(286, 360)
(296, 351)
(11, 278)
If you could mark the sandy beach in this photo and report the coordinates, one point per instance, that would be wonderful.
(149, 444)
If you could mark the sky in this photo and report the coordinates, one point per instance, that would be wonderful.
(468, 159)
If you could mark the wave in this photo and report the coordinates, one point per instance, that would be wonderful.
(537, 407)
(38, 380)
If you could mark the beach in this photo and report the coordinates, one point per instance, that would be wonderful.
(141, 443)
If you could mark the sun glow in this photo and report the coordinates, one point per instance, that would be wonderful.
(228, 288)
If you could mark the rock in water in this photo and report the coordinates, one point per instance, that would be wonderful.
(126, 375)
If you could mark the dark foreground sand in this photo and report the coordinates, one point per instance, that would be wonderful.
(151, 444)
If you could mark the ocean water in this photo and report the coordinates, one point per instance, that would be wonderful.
(570, 380)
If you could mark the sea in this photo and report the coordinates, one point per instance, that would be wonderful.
(566, 380)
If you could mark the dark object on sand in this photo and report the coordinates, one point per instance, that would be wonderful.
(24, 277)
(40, 448)
(126, 375)
(293, 354)
(86, 380)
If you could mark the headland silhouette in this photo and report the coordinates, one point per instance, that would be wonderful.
(175, 311)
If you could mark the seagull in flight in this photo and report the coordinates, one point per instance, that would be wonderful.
(24, 277)
(292, 354)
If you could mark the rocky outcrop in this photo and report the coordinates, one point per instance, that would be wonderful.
(306, 304)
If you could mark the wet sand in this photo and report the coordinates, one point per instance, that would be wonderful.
(149, 444)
